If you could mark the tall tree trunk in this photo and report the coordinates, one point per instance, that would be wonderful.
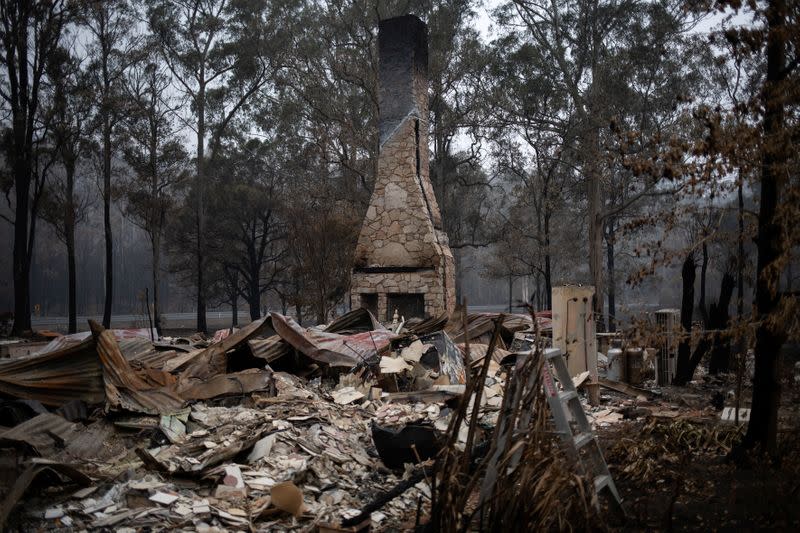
(235, 309)
(22, 305)
(592, 172)
(719, 319)
(540, 297)
(72, 311)
(740, 255)
(69, 239)
(741, 340)
(254, 298)
(156, 244)
(684, 370)
(612, 292)
(770, 334)
(548, 276)
(510, 292)
(703, 271)
(201, 136)
(459, 276)
(109, 278)
(23, 109)
(322, 315)
(595, 225)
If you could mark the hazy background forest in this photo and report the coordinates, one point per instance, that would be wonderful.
(221, 153)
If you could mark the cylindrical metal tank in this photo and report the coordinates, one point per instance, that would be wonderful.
(615, 371)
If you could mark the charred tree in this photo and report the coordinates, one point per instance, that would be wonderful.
(770, 334)
(111, 51)
(612, 293)
(718, 321)
(703, 274)
(684, 370)
(714, 341)
(29, 34)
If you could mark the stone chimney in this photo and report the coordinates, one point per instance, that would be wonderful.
(403, 261)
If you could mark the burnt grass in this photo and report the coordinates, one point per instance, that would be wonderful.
(676, 474)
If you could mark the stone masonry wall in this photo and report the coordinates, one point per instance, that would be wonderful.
(402, 228)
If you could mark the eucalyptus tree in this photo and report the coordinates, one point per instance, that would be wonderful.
(153, 149)
(773, 40)
(30, 33)
(64, 206)
(249, 242)
(586, 65)
(221, 54)
(111, 49)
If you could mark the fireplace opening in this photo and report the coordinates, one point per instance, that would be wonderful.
(369, 301)
(407, 305)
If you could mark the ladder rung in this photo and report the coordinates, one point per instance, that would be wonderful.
(601, 482)
(582, 439)
(567, 395)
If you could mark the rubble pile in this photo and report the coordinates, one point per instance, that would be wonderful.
(273, 426)
(336, 427)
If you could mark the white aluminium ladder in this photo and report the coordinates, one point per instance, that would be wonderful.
(581, 443)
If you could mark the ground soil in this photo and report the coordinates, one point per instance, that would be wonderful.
(674, 485)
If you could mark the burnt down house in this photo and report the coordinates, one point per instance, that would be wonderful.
(403, 261)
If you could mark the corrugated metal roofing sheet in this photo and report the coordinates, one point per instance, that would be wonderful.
(72, 373)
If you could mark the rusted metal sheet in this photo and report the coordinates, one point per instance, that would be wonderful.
(211, 361)
(482, 324)
(65, 341)
(143, 351)
(135, 348)
(26, 478)
(234, 384)
(428, 325)
(269, 349)
(331, 348)
(356, 320)
(128, 390)
(71, 373)
(43, 433)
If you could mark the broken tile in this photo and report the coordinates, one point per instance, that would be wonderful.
(164, 498)
(346, 395)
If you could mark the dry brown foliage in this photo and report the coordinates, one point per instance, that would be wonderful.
(519, 479)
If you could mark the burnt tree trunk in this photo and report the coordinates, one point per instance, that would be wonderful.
(548, 276)
(200, 206)
(713, 340)
(770, 334)
(740, 255)
(612, 293)
(703, 272)
(254, 299)
(510, 292)
(156, 250)
(69, 240)
(459, 274)
(596, 242)
(718, 319)
(235, 309)
(109, 241)
(683, 373)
